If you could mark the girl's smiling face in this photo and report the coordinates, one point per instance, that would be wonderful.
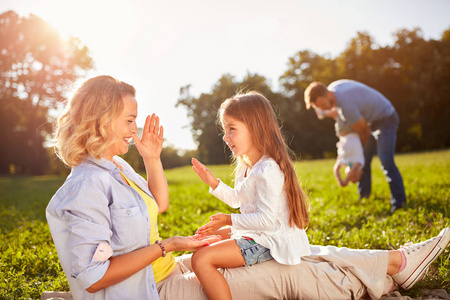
(123, 129)
(238, 139)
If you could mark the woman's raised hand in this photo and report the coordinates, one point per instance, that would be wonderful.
(150, 146)
(205, 174)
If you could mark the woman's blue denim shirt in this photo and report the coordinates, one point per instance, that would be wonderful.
(94, 206)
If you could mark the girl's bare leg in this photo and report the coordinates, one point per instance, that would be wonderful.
(205, 261)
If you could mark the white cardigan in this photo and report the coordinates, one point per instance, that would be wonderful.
(264, 211)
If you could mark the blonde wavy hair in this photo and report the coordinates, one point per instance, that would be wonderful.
(82, 127)
(256, 112)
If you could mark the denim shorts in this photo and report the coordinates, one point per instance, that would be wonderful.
(252, 252)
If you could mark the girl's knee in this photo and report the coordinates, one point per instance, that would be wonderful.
(200, 258)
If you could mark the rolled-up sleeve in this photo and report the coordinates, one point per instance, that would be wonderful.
(85, 207)
(93, 210)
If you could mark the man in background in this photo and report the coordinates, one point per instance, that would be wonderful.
(370, 114)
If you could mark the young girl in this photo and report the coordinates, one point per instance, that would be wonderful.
(273, 206)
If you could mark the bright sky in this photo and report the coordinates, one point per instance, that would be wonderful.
(160, 46)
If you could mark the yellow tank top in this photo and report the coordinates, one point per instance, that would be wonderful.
(163, 265)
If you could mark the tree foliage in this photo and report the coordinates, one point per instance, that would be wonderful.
(202, 112)
(413, 74)
(170, 158)
(36, 67)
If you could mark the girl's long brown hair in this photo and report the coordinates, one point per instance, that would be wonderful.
(256, 112)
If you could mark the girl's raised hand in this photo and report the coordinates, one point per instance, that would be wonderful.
(150, 146)
(205, 174)
(216, 222)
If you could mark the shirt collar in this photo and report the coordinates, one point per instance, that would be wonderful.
(263, 158)
(102, 162)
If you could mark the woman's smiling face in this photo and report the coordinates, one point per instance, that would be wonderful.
(123, 129)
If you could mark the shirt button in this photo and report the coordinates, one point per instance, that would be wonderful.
(128, 211)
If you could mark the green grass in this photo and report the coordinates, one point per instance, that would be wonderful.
(29, 264)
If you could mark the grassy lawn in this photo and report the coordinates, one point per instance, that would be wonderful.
(29, 264)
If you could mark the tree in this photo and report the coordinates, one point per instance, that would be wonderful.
(36, 68)
(423, 67)
(202, 112)
(413, 74)
(311, 137)
(170, 158)
(358, 60)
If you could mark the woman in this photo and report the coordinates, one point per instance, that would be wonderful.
(100, 225)
(103, 220)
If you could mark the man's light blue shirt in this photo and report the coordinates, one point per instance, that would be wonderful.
(95, 206)
(355, 100)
